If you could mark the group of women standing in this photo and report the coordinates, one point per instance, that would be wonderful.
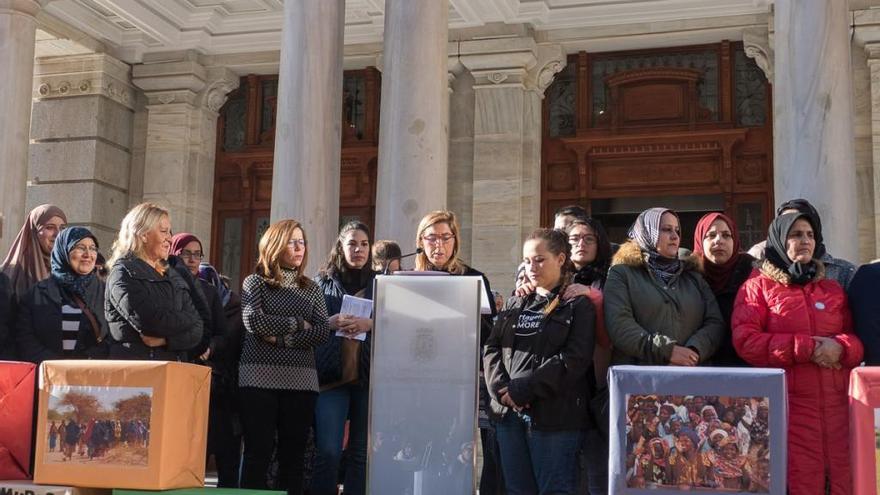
(287, 361)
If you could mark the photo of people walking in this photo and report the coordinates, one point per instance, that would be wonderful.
(99, 425)
(698, 443)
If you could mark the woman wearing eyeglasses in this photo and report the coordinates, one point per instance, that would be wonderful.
(286, 319)
(438, 237)
(725, 267)
(62, 317)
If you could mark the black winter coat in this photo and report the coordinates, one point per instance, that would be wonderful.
(864, 301)
(558, 388)
(328, 356)
(7, 319)
(210, 309)
(38, 323)
(141, 301)
(726, 355)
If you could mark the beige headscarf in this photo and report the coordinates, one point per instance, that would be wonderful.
(26, 264)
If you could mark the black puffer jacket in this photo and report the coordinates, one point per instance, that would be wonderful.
(557, 389)
(38, 323)
(141, 301)
(328, 356)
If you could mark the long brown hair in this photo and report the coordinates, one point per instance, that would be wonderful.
(272, 245)
(454, 265)
(556, 241)
(336, 260)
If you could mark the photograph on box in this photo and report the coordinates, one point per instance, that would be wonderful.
(98, 425)
(698, 443)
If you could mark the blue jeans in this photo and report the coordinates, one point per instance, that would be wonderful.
(595, 458)
(537, 462)
(348, 402)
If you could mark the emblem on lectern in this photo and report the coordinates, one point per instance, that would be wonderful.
(423, 345)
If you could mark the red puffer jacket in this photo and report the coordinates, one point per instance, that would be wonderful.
(773, 324)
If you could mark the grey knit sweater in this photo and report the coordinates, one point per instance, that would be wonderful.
(281, 312)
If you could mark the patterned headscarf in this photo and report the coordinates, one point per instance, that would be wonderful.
(26, 263)
(61, 269)
(646, 232)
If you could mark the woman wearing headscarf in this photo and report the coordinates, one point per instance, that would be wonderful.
(790, 316)
(28, 259)
(725, 268)
(186, 256)
(26, 264)
(62, 317)
(658, 308)
(835, 268)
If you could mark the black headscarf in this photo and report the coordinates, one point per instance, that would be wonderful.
(60, 260)
(804, 206)
(776, 252)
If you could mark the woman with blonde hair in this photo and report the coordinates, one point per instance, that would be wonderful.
(148, 306)
(438, 238)
(286, 319)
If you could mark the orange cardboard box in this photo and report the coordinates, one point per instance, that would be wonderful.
(16, 419)
(122, 424)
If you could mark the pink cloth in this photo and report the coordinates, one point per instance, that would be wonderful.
(864, 397)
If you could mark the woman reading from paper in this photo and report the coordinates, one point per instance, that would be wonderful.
(790, 316)
(438, 237)
(343, 364)
(536, 363)
(658, 308)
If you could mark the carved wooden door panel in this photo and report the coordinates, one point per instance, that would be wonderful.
(687, 128)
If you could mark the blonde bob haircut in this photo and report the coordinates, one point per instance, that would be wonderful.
(136, 223)
(272, 245)
(454, 265)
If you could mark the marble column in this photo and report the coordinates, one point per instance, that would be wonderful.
(81, 139)
(813, 116)
(510, 78)
(183, 98)
(306, 173)
(413, 132)
(17, 31)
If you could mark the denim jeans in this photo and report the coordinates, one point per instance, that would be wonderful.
(594, 453)
(348, 402)
(534, 461)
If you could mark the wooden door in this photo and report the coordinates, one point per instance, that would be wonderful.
(686, 127)
(245, 152)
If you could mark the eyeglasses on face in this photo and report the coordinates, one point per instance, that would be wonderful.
(85, 249)
(587, 239)
(193, 255)
(437, 239)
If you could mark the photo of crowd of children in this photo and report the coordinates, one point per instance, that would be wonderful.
(106, 425)
(699, 443)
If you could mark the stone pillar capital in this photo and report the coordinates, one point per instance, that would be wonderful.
(82, 75)
(220, 82)
(176, 78)
(517, 62)
(22, 7)
(872, 51)
(756, 45)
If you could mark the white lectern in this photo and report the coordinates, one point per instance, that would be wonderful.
(423, 386)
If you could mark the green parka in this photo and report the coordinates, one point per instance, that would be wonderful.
(645, 319)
